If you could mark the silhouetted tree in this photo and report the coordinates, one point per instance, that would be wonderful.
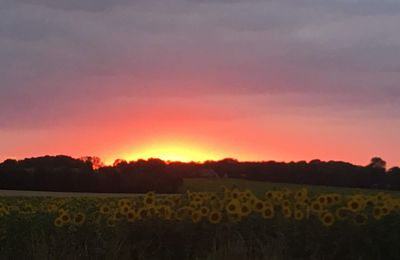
(377, 163)
(119, 161)
(64, 173)
(95, 161)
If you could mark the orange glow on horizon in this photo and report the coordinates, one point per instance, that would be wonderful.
(170, 151)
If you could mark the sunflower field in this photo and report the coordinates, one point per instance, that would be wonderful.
(229, 224)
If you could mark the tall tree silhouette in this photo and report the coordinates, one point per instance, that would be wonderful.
(377, 163)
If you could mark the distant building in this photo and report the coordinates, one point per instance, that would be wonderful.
(207, 173)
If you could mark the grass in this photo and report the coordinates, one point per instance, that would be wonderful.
(22, 193)
(259, 188)
(208, 184)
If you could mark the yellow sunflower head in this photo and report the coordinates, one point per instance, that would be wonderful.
(355, 205)
(377, 212)
(204, 211)
(268, 213)
(131, 215)
(111, 222)
(196, 216)
(233, 207)
(79, 218)
(58, 222)
(245, 209)
(215, 217)
(65, 218)
(343, 213)
(298, 215)
(105, 209)
(316, 207)
(286, 212)
(327, 219)
(258, 206)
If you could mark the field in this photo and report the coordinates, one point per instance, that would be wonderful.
(211, 219)
(259, 188)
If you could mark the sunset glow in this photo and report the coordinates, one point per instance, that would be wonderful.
(181, 81)
(173, 152)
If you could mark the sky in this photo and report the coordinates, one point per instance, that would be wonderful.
(201, 79)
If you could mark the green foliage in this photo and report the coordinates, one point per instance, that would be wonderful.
(102, 227)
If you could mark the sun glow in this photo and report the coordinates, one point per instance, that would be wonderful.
(174, 152)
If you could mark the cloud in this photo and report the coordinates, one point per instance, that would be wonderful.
(58, 55)
(75, 5)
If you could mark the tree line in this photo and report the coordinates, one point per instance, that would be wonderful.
(88, 174)
(66, 174)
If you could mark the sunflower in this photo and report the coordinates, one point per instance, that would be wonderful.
(380, 196)
(248, 194)
(316, 207)
(343, 213)
(278, 196)
(105, 209)
(337, 198)
(329, 199)
(58, 222)
(142, 213)
(354, 205)
(286, 212)
(298, 215)
(377, 212)
(123, 202)
(245, 210)
(65, 217)
(150, 194)
(168, 214)
(79, 218)
(396, 204)
(213, 197)
(149, 200)
(196, 216)
(327, 219)
(124, 209)
(258, 206)
(252, 201)
(300, 195)
(385, 210)
(4, 210)
(389, 204)
(235, 194)
(204, 211)
(233, 207)
(194, 204)
(111, 222)
(214, 217)
(370, 202)
(131, 215)
(51, 208)
(269, 195)
(118, 216)
(285, 203)
(322, 200)
(268, 213)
